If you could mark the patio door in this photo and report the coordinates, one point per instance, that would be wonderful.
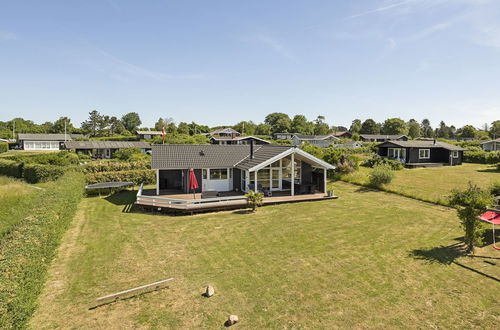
(276, 179)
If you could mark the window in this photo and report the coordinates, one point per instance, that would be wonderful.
(218, 174)
(205, 174)
(454, 154)
(424, 153)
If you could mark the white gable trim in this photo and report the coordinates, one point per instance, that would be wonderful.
(290, 151)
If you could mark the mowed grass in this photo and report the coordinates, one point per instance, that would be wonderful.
(367, 260)
(12, 191)
(433, 184)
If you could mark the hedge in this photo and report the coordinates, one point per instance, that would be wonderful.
(110, 166)
(62, 158)
(482, 157)
(135, 176)
(4, 147)
(28, 248)
(35, 173)
(11, 168)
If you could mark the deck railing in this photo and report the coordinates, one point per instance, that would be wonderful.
(181, 203)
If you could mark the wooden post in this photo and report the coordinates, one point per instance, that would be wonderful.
(157, 182)
(255, 177)
(325, 181)
(293, 175)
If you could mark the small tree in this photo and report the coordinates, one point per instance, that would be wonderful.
(381, 174)
(254, 199)
(470, 203)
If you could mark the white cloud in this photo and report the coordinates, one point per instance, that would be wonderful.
(275, 45)
(385, 8)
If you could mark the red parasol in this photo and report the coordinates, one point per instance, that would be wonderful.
(193, 183)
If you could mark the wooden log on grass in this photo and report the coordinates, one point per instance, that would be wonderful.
(130, 293)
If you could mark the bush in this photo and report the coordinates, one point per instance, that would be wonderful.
(4, 147)
(380, 175)
(347, 164)
(28, 248)
(126, 153)
(35, 173)
(11, 168)
(498, 167)
(135, 176)
(482, 157)
(495, 188)
(113, 165)
(62, 158)
(376, 160)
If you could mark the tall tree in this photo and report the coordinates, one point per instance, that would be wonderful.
(495, 129)
(443, 131)
(301, 125)
(91, 125)
(159, 124)
(355, 126)
(183, 128)
(320, 127)
(468, 131)
(131, 121)
(426, 128)
(369, 126)
(394, 126)
(245, 127)
(413, 129)
(279, 122)
(263, 129)
(58, 126)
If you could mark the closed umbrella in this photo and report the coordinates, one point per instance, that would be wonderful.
(193, 183)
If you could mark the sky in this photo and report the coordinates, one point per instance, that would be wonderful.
(220, 62)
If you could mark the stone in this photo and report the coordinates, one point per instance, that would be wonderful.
(231, 320)
(209, 291)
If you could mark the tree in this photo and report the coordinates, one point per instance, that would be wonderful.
(495, 129)
(131, 121)
(443, 131)
(320, 127)
(279, 122)
(301, 125)
(91, 125)
(183, 128)
(355, 126)
(116, 126)
(245, 127)
(263, 129)
(254, 199)
(369, 126)
(394, 126)
(413, 129)
(468, 131)
(426, 128)
(470, 203)
(159, 124)
(59, 125)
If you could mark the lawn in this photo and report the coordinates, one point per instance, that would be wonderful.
(433, 184)
(367, 260)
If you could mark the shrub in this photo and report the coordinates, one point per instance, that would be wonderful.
(11, 168)
(498, 167)
(254, 199)
(62, 158)
(495, 188)
(482, 157)
(376, 160)
(135, 176)
(347, 164)
(35, 173)
(126, 154)
(29, 247)
(4, 147)
(113, 165)
(380, 175)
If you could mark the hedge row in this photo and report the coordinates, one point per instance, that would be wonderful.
(62, 158)
(4, 147)
(482, 157)
(112, 166)
(28, 248)
(135, 176)
(11, 168)
(32, 173)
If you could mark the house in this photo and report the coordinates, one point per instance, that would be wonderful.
(348, 144)
(104, 149)
(225, 132)
(493, 145)
(343, 134)
(237, 140)
(382, 138)
(235, 168)
(283, 136)
(148, 134)
(318, 140)
(45, 141)
(422, 153)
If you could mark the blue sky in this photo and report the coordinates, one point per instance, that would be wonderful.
(218, 62)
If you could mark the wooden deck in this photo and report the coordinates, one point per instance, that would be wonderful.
(424, 165)
(190, 203)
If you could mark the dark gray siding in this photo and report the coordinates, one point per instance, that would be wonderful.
(197, 173)
(306, 173)
(170, 179)
(237, 179)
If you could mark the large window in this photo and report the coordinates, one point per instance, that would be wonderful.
(424, 153)
(218, 174)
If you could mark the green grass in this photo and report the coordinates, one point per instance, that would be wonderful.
(367, 260)
(432, 184)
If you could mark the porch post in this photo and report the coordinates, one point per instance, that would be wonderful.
(255, 177)
(157, 182)
(324, 180)
(293, 175)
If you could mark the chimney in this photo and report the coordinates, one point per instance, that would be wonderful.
(434, 141)
(251, 148)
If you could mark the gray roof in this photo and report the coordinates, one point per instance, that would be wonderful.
(315, 137)
(237, 138)
(382, 136)
(149, 132)
(497, 140)
(106, 144)
(184, 156)
(48, 137)
(347, 144)
(422, 144)
(227, 130)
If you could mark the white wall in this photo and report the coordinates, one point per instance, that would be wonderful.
(41, 145)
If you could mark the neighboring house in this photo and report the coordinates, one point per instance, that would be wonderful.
(322, 141)
(225, 132)
(493, 145)
(148, 134)
(45, 141)
(104, 149)
(349, 144)
(237, 140)
(224, 168)
(283, 136)
(382, 137)
(422, 153)
(343, 134)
